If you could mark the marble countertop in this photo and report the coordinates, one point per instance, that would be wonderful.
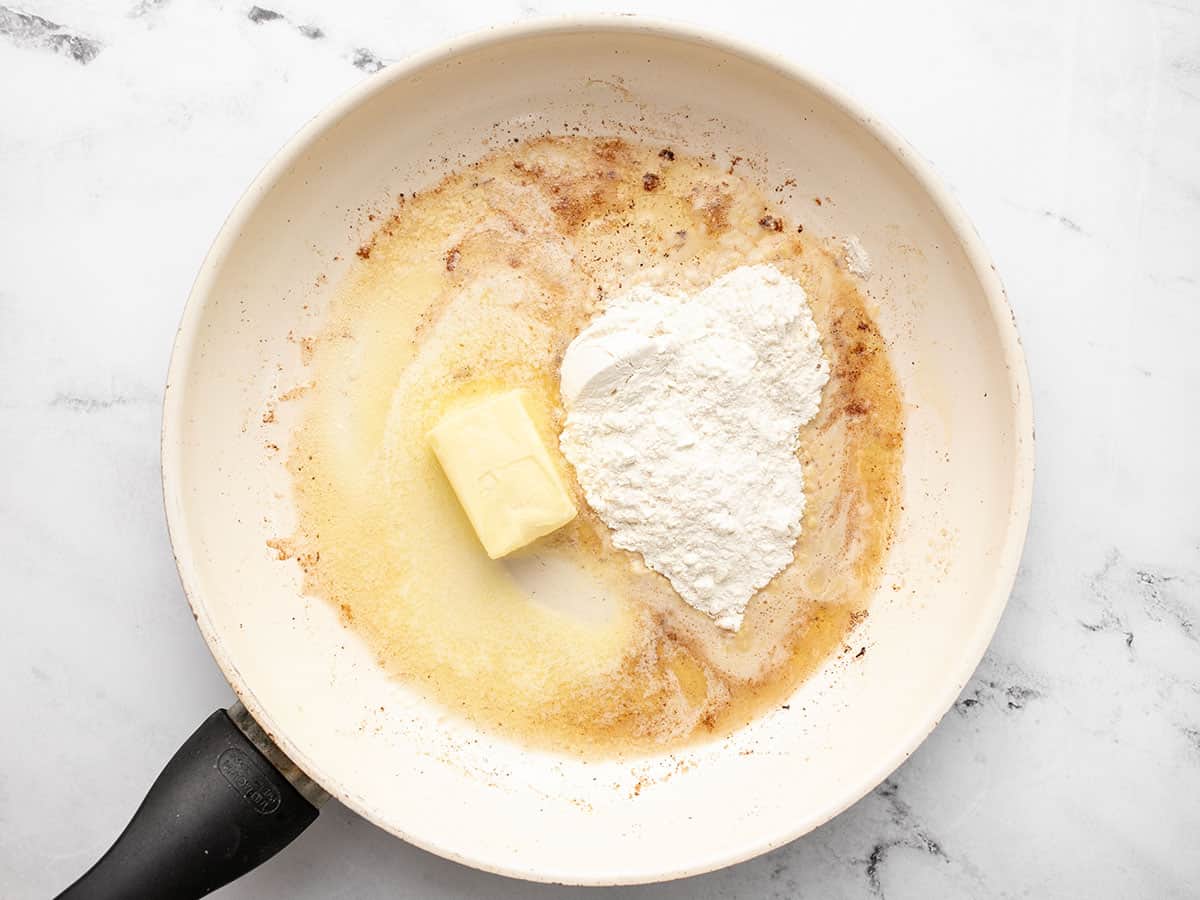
(1070, 131)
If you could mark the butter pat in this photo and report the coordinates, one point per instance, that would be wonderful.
(502, 473)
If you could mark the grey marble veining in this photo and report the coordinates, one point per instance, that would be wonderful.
(1070, 765)
(27, 30)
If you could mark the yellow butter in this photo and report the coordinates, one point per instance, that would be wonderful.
(502, 473)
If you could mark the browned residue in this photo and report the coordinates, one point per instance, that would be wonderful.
(283, 548)
(713, 204)
(295, 393)
(610, 149)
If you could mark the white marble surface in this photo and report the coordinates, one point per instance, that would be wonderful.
(1070, 131)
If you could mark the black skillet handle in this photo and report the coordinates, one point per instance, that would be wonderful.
(218, 809)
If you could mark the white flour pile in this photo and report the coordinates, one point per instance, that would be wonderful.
(854, 257)
(683, 417)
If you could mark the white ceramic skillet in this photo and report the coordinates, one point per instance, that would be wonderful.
(220, 807)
